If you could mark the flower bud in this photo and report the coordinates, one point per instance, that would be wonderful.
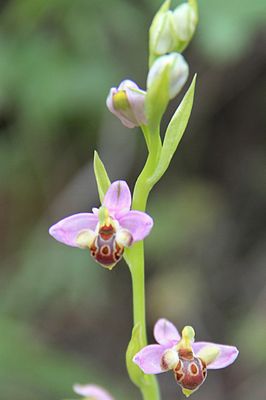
(127, 103)
(178, 72)
(172, 30)
(162, 40)
(184, 22)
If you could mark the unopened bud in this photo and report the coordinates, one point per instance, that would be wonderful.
(127, 103)
(178, 72)
(184, 22)
(162, 40)
(172, 30)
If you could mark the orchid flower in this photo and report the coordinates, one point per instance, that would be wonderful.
(127, 103)
(92, 392)
(107, 230)
(188, 360)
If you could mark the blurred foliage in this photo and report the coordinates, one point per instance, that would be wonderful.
(63, 318)
(32, 369)
(227, 28)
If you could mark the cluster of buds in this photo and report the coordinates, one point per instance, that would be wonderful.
(170, 33)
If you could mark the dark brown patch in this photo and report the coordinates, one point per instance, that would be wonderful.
(179, 366)
(185, 353)
(179, 376)
(105, 250)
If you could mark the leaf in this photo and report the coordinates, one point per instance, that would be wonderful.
(134, 346)
(102, 179)
(174, 133)
(157, 99)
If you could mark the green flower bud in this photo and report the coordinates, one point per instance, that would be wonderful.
(184, 22)
(172, 30)
(162, 40)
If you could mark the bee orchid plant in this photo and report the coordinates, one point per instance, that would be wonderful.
(117, 228)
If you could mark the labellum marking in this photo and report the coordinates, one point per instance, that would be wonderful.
(104, 249)
(191, 371)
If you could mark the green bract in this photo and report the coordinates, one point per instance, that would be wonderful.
(102, 179)
(135, 344)
(174, 133)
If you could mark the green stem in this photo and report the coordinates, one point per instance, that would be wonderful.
(135, 260)
(135, 257)
(142, 188)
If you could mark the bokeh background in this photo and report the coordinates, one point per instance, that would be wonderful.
(63, 319)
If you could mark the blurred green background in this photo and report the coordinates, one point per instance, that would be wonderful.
(63, 319)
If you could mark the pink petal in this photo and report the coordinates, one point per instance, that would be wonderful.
(92, 391)
(227, 355)
(138, 223)
(118, 197)
(67, 230)
(165, 332)
(136, 98)
(149, 359)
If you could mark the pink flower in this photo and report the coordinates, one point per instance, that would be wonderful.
(127, 103)
(92, 392)
(107, 230)
(188, 360)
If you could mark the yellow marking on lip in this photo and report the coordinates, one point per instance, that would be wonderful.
(120, 100)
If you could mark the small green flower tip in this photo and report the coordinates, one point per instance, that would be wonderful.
(188, 334)
(209, 354)
(187, 392)
(194, 5)
(120, 101)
